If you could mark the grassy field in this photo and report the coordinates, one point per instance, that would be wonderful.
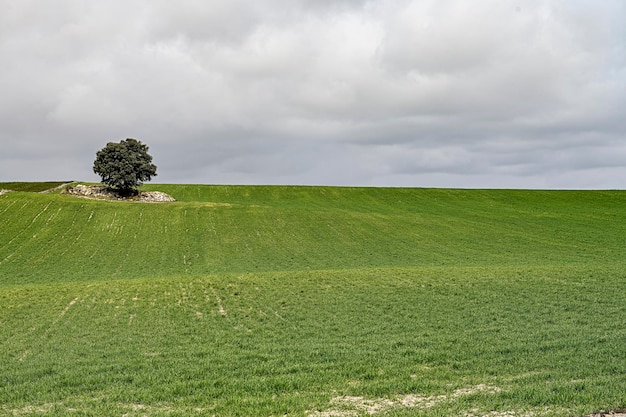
(35, 187)
(313, 301)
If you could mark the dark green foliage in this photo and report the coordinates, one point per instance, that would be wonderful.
(125, 165)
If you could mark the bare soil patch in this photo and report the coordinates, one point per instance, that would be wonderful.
(348, 406)
(614, 413)
(354, 406)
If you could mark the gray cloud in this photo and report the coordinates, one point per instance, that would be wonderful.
(420, 93)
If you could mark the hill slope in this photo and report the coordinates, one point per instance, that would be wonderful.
(52, 238)
(313, 301)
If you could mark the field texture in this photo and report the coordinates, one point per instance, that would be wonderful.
(313, 301)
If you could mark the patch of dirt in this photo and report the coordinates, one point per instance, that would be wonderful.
(356, 406)
(477, 413)
(614, 413)
(353, 406)
(99, 192)
(4, 191)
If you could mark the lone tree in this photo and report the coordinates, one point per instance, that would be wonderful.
(125, 165)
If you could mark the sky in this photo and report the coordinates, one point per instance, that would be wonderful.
(399, 93)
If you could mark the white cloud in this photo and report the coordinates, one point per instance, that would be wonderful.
(398, 92)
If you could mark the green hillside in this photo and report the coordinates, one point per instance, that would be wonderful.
(313, 301)
(53, 238)
(31, 186)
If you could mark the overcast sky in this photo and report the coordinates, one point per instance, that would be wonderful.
(421, 93)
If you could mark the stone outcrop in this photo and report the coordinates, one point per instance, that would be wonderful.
(155, 197)
(100, 192)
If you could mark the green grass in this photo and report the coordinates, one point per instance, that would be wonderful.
(35, 187)
(313, 301)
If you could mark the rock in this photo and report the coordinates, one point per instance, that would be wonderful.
(155, 197)
(104, 193)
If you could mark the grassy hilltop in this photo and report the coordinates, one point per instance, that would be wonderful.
(313, 301)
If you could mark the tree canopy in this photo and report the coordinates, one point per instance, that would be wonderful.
(124, 165)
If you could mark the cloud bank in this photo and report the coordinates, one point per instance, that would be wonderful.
(386, 93)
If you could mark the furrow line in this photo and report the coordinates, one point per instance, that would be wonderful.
(22, 232)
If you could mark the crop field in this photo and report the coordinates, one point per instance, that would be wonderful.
(313, 301)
